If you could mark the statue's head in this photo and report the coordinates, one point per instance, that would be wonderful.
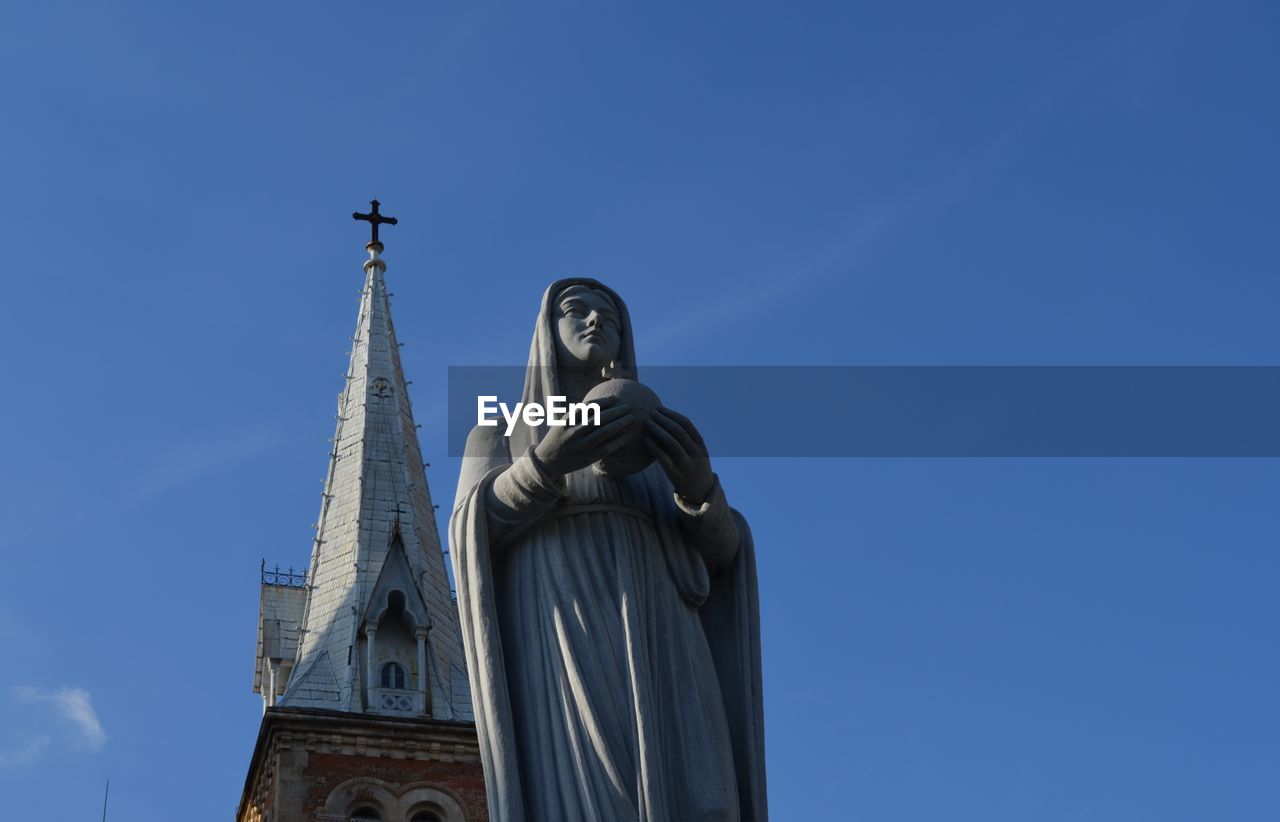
(588, 327)
(582, 336)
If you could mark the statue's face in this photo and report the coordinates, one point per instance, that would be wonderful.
(589, 331)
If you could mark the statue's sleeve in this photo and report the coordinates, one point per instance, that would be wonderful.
(520, 493)
(520, 496)
(710, 527)
(731, 621)
(487, 457)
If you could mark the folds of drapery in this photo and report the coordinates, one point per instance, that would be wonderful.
(729, 616)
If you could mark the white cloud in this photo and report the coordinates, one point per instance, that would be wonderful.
(26, 753)
(75, 706)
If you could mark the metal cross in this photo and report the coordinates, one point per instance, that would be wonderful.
(374, 218)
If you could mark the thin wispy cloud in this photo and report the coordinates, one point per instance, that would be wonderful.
(74, 706)
(174, 465)
(185, 463)
(24, 752)
(1144, 42)
(838, 257)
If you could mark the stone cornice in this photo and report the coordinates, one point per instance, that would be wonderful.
(347, 734)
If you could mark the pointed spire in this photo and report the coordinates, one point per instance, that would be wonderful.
(375, 488)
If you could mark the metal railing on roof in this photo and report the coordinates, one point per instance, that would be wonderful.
(283, 578)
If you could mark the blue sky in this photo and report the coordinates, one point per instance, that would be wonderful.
(906, 183)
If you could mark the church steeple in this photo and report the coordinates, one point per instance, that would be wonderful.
(374, 629)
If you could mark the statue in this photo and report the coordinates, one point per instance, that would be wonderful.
(610, 618)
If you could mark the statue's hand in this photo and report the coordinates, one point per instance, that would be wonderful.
(678, 447)
(567, 448)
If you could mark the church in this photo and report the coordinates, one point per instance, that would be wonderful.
(366, 705)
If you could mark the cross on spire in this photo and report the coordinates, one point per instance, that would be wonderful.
(375, 219)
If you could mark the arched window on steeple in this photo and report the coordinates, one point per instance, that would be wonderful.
(366, 814)
(393, 676)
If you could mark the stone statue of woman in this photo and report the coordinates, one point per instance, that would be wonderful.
(611, 624)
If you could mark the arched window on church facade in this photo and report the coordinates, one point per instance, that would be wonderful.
(393, 676)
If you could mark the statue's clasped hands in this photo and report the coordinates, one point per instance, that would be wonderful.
(668, 436)
(568, 448)
(678, 447)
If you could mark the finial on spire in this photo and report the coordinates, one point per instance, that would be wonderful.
(375, 219)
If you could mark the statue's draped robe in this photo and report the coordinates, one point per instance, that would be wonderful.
(612, 678)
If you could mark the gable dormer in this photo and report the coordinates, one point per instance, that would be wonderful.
(395, 652)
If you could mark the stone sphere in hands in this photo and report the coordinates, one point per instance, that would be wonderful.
(632, 457)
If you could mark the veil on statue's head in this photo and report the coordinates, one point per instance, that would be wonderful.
(540, 380)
